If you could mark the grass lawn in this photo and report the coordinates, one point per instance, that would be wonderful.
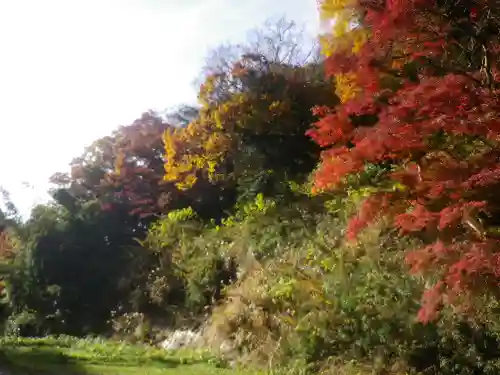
(70, 356)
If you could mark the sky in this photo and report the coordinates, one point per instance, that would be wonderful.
(72, 71)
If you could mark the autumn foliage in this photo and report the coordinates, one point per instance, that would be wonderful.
(418, 81)
(205, 217)
(252, 119)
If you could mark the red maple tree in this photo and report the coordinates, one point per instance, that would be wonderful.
(426, 113)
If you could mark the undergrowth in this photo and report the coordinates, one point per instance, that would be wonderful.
(307, 301)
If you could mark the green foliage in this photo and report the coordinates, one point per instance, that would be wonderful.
(308, 300)
(188, 269)
(68, 270)
(19, 324)
(133, 326)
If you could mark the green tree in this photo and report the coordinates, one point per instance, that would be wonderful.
(69, 268)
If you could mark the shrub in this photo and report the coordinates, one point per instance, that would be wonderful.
(316, 303)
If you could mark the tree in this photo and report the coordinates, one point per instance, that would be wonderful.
(121, 168)
(277, 41)
(259, 129)
(182, 115)
(70, 267)
(256, 105)
(10, 223)
(417, 132)
(126, 169)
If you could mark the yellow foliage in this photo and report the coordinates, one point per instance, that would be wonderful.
(340, 16)
(119, 161)
(329, 9)
(341, 26)
(204, 143)
(199, 146)
(217, 119)
(359, 38)
(9, 244)
(346, 86)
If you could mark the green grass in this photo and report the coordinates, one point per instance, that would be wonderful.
(71, 356)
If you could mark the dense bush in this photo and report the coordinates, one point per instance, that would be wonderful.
(66, 275)
(317, 302)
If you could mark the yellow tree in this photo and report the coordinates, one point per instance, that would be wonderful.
(259, 126)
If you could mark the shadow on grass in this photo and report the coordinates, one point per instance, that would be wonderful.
(48, 360)
(38, 361)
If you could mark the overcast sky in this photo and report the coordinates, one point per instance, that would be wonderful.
(73, 70)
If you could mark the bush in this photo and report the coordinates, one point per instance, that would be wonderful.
(24, 323)
(131, 326)
(187, 268)
(317, 303)
(304, 300)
